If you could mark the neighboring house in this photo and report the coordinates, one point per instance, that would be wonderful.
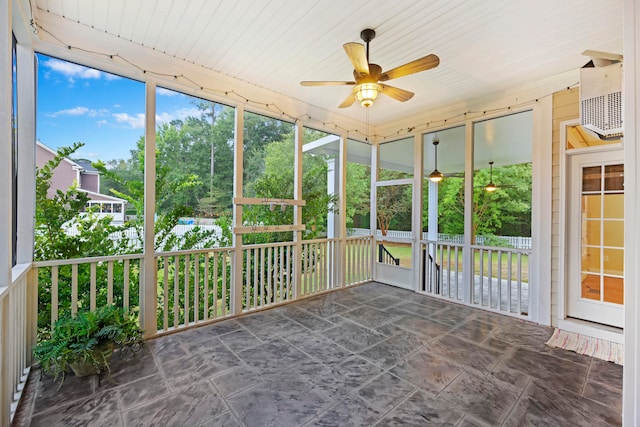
(87, 178)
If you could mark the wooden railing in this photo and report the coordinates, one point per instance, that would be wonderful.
(197, 286)
(442, 269)
(358, 261)
(499, 280)
(18, 313)
(385, 257)
(269, 272)
(193, 287)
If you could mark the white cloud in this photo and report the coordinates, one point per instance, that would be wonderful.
(135, 121)
(75, 111)
(101, 122)
(166, 92)
(75, 71)
(179, 114)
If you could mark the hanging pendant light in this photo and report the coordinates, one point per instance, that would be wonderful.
(490, 187)
(436, 175)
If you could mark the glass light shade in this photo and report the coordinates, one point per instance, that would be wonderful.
(436, 176)
(366, 93)
(490, 187)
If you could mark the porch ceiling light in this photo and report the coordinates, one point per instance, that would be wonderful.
(436, 175)
(490, 187)
(366, 93)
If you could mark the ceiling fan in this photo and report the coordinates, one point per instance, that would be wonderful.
(491, 186)
(368, 76)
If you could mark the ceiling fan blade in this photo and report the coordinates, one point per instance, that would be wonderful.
(348, 101)
(358, 57)
(422, 64)
(327, 83)
(396, 93)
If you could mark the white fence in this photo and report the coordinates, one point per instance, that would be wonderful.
(516, 242)
(134, 236)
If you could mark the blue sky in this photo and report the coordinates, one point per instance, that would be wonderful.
(104, 111)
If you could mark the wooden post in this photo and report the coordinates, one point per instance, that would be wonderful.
(237, 259)
(148, 289)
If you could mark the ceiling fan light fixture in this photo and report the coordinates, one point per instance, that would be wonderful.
(366, 93)
(490, 187)
(436, 176)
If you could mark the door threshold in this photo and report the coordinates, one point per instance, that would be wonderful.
(592, 329)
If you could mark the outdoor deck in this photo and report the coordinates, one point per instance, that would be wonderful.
(366, 355)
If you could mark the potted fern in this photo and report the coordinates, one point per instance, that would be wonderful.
(84, 343)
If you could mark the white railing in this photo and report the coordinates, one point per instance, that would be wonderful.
(268, 272)
(87, 283)
(318, 266)
(193, 287)
(500, 280)
(516, 242)
(197, 286)
(18, 313)
(442, 269)
(358, 260)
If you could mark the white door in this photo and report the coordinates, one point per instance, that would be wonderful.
(595, 237)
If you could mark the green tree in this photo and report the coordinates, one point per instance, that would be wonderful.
(506, 211)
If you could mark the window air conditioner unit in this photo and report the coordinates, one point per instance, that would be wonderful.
(601, 94)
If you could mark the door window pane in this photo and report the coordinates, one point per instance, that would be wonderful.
(613, 233)
(591, 206)
(614, 206)
(591, 179)
(614, 178)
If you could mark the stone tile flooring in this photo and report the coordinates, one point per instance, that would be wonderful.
(367, 355)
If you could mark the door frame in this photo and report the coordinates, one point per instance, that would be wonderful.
(613, 312)
(583, 327)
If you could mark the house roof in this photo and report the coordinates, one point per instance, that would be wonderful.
(259, 51)
(87, 166)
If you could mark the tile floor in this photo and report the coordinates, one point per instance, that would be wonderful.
(368, 355)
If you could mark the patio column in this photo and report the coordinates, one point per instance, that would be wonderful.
(467, 253)
(148, 279)
(631, 379)
(333, 188)
(236, 264)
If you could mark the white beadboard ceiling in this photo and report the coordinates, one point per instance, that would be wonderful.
(485, 47)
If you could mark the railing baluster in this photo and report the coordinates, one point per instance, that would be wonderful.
(176, 291)
(187, 294)
(54, 295)
(206, 286)
(519, 255)
(224, 283)
(125, 298)
(281, 268)
(165, 293)
(499, 280)
(196, 288)
(216, 256)
(92, 286)
(256, 261)
(509, 280)
(490, 276)
(74, 289)
(269, 298)
(110, 282)
(247, 278)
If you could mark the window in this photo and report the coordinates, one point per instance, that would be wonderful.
(320, 183)
(268, 172)
(194, 171)
(358, 187)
